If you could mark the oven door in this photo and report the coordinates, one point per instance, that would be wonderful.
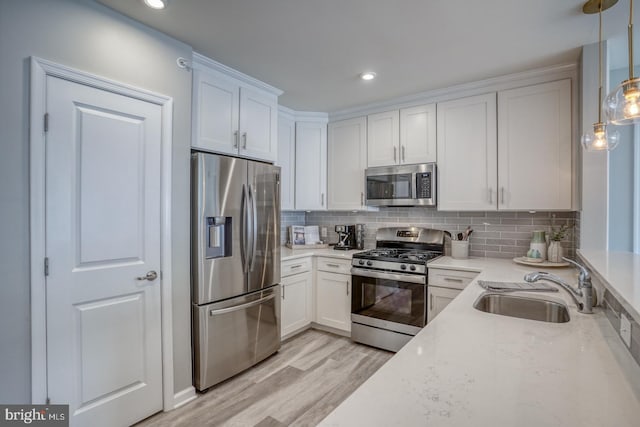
(390, 301)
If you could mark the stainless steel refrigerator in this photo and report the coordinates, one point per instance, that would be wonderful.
(235, 272)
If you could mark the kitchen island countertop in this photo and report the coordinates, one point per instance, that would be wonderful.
(470, 368)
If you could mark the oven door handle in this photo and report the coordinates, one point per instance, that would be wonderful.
(409, 278)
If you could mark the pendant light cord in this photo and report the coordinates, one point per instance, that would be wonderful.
(600, 64)
(630, 36)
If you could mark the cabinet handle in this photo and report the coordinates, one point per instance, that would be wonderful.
(236, 139)
(431, 302)
(502, 194)
(403, 156)
(332, 265)
(451, 279)
(490, 196)
(347, 287)
(322, 199)
(361, 199)
(394, 154)
(283, 288)
(244, 140)
(296, 266)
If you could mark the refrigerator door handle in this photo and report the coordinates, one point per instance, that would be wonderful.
(242, 306)
(254, 227)
(243, 230)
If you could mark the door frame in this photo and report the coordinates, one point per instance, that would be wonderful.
(40, 70)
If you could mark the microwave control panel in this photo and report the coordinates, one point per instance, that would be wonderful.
(423, 185)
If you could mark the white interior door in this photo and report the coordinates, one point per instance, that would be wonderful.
(102, 233)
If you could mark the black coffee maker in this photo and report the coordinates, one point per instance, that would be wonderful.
(350, 237)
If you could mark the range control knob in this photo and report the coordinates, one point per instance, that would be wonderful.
(361, 262)
(412, 268)
(369, 263)
(403, 267)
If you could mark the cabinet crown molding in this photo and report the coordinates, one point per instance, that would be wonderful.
(303, 116)
(479, 87)
(199, 59)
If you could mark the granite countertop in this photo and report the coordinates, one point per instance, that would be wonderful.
(620, 273)
(470, 368)
(287, 254)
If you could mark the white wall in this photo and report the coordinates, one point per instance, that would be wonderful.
(90, 37)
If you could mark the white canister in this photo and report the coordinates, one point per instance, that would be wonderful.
(460, 249)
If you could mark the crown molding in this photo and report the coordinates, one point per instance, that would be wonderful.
(199, 59)
(492, 84)
(303, 116)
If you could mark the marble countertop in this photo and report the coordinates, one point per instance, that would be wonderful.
(470, 368)
(620, 272)
(287, 254)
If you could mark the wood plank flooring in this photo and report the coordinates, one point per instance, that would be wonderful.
(300, 385)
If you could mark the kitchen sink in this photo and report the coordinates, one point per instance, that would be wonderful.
(523, 307)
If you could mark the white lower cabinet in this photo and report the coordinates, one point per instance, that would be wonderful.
(296, 310)
(443, 286)
(333, 300)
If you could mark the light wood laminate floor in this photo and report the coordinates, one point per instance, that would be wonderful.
(300, 385)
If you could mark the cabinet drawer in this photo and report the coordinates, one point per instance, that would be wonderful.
(295, 266)
(453, 279)
(342, 266)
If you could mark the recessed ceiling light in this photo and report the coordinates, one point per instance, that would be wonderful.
(368, 75)
(156, 4)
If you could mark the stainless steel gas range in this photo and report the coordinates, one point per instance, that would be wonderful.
(389, 283)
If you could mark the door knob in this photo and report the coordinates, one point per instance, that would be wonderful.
(151, 275)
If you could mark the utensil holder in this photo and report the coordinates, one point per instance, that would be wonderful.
(460, 249)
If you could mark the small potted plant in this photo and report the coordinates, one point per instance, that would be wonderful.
(554, 252)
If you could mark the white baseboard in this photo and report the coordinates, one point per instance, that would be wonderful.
(184, 396)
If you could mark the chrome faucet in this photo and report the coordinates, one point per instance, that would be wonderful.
(582, 295)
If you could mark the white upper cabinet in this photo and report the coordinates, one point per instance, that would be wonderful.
(418, 134)
(467, 153)
(286, 161)
(401, 137)
(311, 165)
(383, 138)
(347, 153)
(232, 116)
(535, 147)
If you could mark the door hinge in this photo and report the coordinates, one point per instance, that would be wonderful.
(46, 266)
(46, 122)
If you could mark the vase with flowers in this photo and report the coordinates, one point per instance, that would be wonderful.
(555, 251)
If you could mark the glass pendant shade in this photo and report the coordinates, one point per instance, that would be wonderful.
(622, 106)
(600, 138)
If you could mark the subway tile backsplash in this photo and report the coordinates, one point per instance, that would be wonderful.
(496, 234)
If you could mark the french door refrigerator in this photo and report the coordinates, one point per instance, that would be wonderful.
(235, 272)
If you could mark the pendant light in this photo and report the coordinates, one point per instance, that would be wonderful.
(622, 106)
(599, 138)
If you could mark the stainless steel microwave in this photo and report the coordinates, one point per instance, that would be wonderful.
(405, 185)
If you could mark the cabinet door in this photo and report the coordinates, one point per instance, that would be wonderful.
(286, 161)
(347, 158)
(296, 302)
(383, 138)
(215, 113)
(439, 298)
(311, 166)
(534, 147)
(467, 154)
(418, 134)
(333, 300)
(258, 124)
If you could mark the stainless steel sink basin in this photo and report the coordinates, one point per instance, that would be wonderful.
(523, 307)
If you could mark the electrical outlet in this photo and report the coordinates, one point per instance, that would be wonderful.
(625, 329)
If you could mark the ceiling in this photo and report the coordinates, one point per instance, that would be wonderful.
(314, 50)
